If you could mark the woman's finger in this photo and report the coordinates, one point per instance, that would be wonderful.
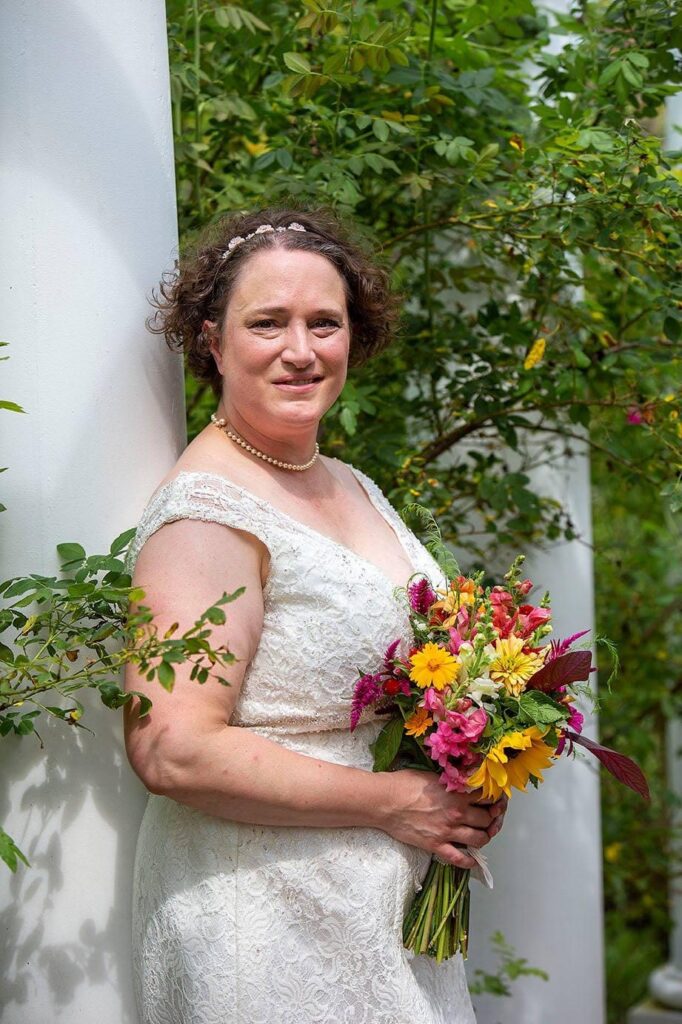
(471, 837)
(449, 854)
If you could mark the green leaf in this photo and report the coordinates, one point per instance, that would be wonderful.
(539, 707)
(166, 675)
(122, 541)
(10, 852)
(387, 744)
(10, 406)
(216, 616)
(298, 63)
(71, 552)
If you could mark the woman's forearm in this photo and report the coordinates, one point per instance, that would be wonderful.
(236, 774)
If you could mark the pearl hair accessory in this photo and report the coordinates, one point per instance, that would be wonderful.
(222, 425)
(237, 240)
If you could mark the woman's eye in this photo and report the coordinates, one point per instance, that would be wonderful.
(269, 324)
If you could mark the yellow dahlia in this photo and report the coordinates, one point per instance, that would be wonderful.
(511, 762)
(418, 723)
(433, 666)
(513, 666)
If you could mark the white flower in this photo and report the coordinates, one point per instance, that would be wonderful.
(482, 687)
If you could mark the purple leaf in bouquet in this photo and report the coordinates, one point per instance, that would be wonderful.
(567, 668)
(620, 766)
(559, 647)
(420, 596)
(367, 691)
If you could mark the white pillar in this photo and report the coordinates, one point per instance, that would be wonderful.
(87, 206)
(546, 862)
(665, 983)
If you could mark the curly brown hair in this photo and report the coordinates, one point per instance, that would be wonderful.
(200, 286)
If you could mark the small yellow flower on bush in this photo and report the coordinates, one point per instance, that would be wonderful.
(535, 354)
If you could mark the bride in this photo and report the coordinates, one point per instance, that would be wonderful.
(273, 866)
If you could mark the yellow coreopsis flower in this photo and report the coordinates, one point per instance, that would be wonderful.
(418, 723)
(512, 666)
(433, 666)
(511, 762)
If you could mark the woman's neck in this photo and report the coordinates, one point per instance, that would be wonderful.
(296, 447)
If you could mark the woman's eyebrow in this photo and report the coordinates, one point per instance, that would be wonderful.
(274, 310)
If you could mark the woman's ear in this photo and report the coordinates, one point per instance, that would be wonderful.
(210, 331)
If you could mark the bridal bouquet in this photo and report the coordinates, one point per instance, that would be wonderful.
(482, 698)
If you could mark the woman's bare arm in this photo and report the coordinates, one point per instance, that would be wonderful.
(186, 749)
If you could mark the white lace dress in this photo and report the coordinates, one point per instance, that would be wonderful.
(251, 924)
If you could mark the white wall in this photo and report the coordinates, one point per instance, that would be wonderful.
(87, 206)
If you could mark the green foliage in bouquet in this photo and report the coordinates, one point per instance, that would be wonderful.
(60, 635)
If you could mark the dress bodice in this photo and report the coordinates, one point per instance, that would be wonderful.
(327, 610)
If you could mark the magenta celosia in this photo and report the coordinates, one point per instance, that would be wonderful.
(420, 596)
(367, 691)
(390, 655)
(559, 647)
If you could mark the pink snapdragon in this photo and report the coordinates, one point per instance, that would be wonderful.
(453, 738)
(529, 618)
(454, 779)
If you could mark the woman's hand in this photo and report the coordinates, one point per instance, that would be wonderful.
(421, 812)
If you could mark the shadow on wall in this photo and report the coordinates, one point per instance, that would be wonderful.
(37, 951)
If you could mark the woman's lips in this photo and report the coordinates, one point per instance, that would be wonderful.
(300, 386)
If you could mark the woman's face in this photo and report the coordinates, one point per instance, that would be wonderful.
(284, 348)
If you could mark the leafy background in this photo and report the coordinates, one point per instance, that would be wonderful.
(509, 165)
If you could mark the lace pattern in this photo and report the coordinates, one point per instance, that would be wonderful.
(247, 924)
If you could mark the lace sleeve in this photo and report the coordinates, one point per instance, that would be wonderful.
(204, 496)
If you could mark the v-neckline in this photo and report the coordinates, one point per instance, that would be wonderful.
(311, 529)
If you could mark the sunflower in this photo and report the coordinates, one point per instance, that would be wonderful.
(511, 762)
(513, 666)
(418, 723)
(433, 666)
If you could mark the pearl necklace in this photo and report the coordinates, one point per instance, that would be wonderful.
(222, 425)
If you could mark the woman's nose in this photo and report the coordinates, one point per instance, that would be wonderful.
(299, 346)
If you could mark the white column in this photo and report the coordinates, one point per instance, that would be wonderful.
(87, 206)
(665, 983)
(546, 862)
